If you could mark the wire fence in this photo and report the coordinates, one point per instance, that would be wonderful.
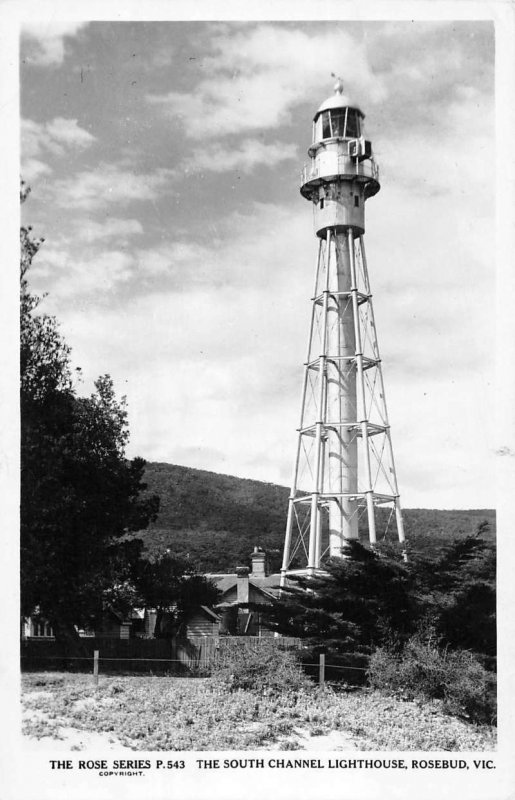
(321, 670)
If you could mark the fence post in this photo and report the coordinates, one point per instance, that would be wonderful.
(321, 670)
(95, 667)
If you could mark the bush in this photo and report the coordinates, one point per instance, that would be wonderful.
(423, 670)
(263, 666)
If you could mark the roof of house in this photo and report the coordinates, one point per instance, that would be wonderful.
(123, 620)
(268, 585)
(209, 613)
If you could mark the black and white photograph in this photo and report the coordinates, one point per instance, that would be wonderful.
(262, 419)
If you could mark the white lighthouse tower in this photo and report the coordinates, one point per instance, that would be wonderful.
(344, 474)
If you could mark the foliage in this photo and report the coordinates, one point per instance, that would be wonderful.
(264, 667)
(216, 520)
(459, 594)
(173, 588)
(173, 714)
(79, 494)
(44, 356)
(425, 670)
(369, 597)
(353, 604)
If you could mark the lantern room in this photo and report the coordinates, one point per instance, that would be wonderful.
(338, 123)
(338, 118)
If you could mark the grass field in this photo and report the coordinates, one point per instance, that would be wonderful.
(161, 713)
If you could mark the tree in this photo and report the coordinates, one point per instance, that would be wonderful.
(458, 587)
(355, 603)
(174, 589)
(372, 598)
(79, 494)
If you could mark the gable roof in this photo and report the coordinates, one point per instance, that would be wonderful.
(209, 613)
(116, 614)
(268, 586)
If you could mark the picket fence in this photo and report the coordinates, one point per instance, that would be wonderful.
(199, 652)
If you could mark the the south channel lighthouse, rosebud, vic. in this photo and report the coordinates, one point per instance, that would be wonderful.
(344, 472)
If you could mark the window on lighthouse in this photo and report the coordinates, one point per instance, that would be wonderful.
(353, 130)
(342, 123)
(326, 125)
(338, 122)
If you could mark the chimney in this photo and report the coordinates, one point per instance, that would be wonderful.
(259, 565)
(242, 584)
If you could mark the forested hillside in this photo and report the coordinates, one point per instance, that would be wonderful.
(216, 520)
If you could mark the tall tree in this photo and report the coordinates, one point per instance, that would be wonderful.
(459, 591)
(372, 598)
(355, 603)
(79, 493)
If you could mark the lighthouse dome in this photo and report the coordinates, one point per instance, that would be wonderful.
(337, 118)
(338, 100)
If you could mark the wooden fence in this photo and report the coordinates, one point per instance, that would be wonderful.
(199, 652)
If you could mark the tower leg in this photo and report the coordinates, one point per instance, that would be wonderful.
(290, 522)
(382, 395)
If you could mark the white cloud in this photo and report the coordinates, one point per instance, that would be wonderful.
(203, 357)
(241, 252)
(74, 278)
(245, 156)
(33, 168)
(45, 42)
(256, 77)
(68, 132)
(107, 185)
(55, 138)
(246, 246)
(436, 163)
(90, 231)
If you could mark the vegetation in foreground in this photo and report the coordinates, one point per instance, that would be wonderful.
(426, 627)
(150, 713)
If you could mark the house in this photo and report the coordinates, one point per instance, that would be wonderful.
(143, 623)
(237, 613)
(242, 591)
(112, 626)
(203, 621)
(36, 627)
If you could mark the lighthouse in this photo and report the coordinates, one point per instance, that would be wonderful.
(344, 478)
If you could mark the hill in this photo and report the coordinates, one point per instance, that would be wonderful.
(216, 520)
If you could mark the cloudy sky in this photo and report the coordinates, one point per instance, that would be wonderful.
(164, 161)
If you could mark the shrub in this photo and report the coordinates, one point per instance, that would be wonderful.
(263, 666)
(424, 670)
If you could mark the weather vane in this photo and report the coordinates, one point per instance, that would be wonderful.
(338, 86)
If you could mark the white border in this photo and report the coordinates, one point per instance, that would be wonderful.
(23, 780)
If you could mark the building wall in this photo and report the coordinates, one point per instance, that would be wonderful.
(111, 628)
(201, 625)
(35, 627)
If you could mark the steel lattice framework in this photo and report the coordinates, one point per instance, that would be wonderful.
(344, 465)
